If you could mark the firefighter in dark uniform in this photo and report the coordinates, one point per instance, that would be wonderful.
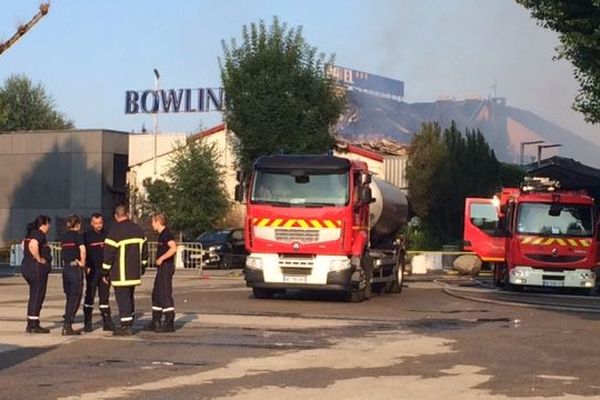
(94, 245)
(35, 269)
(125, 260)
(73, 257)
(162, 293)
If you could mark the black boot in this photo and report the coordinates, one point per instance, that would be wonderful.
(168, 325)
(87, 319)
(107, 323)
(124, 330)
(33, 326)
(154, 325)
(69, 331)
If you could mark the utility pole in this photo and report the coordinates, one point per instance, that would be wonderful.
(155, 120)
(23, 29)
(523, 144)
(544, 146)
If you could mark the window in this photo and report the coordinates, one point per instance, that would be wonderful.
(551, 219)
(484, 217)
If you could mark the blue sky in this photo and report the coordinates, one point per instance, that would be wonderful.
(88, 53)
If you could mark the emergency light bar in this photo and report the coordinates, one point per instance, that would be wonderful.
(538, 184)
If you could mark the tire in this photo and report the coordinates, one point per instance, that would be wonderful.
(355, 295)
(262, 293)
(396, 284)
(225, 262)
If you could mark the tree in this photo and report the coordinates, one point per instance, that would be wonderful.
(25, 106)
(577, 24)
(279, 97)
(444, 169)
(193, 194)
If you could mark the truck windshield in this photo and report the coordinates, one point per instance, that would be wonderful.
(555, 219)
(308, 189)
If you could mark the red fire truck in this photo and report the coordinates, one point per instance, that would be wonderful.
(535, 235)
(321, 223)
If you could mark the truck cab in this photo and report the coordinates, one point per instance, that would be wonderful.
(537, 235)
(307, 226)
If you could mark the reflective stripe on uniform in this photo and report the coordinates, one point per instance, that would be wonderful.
(106, 266)
(32, 317)
(103, 306)
(88, 305)
(170, 309)
(154, 308)
(111, 242)
(126, 319)
(125, 282)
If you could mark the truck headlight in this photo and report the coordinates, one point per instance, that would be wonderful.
(339, 265)
(254, 263)
(520, 272)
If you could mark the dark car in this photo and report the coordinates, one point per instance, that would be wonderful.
(222, 248)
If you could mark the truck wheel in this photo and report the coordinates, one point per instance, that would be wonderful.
(355, 295)
(396, 284)
(225, 262)
(261, 293)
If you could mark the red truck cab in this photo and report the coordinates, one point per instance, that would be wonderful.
(536, 235)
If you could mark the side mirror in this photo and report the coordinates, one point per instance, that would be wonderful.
(239, 176)
(366, 196)
(366, 179)
(239, 192)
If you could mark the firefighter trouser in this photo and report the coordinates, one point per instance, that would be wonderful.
(162, 293)
(94, 282)
(36, 276)
(73, 288)
(126, 302)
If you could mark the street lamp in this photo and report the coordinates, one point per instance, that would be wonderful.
(544, 146)
(155, 117)
(523, 148)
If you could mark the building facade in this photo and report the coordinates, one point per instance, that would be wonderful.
(59, 173)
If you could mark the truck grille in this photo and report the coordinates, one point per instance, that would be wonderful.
(297, 235)
(552, 259)
(296, 265)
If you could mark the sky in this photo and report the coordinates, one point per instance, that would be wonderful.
(87, 54)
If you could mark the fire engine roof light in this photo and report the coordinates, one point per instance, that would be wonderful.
(539, 184)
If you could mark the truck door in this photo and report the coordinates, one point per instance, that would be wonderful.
(482, 233)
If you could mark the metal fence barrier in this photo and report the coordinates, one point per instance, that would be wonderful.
(189, 255)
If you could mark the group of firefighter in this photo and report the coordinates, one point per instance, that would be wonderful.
(117, 257)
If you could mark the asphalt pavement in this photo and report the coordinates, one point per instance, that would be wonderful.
(419, 344)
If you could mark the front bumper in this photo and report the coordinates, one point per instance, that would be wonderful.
(336, 281)
(527, 276)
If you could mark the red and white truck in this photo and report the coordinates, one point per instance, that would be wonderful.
(535, 235)
(319, 222)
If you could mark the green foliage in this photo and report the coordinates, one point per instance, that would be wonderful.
(577, 24)
(511, 175)
(279, 96)
(193, 196)
(444, 169)
(25, 106)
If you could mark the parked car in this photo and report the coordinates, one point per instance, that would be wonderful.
(223, 249)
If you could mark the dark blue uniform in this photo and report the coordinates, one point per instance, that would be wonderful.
(94, 245)
(36, 275)
(162, 293)
(125, 260)
(72, 273)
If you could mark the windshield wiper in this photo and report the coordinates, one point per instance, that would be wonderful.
(320, 204)
(273, 203)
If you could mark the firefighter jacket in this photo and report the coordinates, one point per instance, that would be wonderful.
(125, 254)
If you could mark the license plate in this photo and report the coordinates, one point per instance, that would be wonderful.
(553, 283)
(294, 279)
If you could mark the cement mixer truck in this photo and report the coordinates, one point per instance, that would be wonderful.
(322, 223)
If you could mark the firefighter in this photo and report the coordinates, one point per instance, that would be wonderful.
(35, 269)
(162, 293)
(125, 259)
(94, 244)
(73, 255)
